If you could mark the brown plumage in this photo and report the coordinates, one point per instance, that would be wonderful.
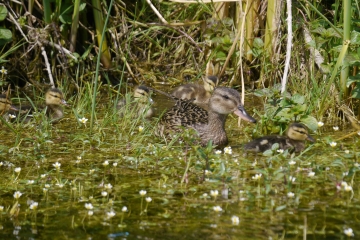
(294, 139)
(54, 99)
(5, 105)
(141, 103)
(200, 94)
(209, 124)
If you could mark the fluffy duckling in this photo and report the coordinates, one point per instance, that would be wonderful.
(54, 99)
(140, 104)
(5, 105)
(295, 137)
(209, 124)
(199, 93)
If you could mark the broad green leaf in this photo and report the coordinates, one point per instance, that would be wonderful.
(3, 12)
(310, 122)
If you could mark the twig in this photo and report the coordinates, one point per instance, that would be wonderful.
(58, 47)
(157, 12)
(288, 47)
(47, 65)
(18, 26)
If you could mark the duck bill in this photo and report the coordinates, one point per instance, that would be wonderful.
(240, 111)
(309, 138)
(14, 108)
(63, 102)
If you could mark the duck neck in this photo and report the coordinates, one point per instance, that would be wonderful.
(216, 120)
(54, 111)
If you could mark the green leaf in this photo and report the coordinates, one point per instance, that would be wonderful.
(3, 12)
(268, 153)
(355, 37)
(279, 208)
(275, 147)
(310, 122)
(258, 43)
(297, 98)
(5, 36)
(355, 93)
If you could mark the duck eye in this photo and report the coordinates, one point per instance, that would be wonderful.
(225, 96)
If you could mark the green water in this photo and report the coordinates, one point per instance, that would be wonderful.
(181, 204)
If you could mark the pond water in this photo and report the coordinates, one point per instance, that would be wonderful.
(123, 183)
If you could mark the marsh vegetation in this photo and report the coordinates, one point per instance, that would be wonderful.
(96, 173)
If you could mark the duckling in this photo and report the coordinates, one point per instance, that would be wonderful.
(5, 105)
(199, 93)
(209, 124)
(142, 99)
(54, 99)
(296, 135)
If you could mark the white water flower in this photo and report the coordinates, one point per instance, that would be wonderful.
(108, 186)
(217, 208)
(78, 157)
(257, 176)
(349, 232)
(115, 164)
(30, 182)
(311, 174)
(142, 193)
(104, 193)
(218, 152)
(235, 220)
(42, 175)
(291, 194)
(17, 194)
(348, 188)
(280, 151)
(34, 205)
(90, 213)
(17, 170)
(214, 193)
(110, 214)
(141, 128)
(91, 171)
(292, 162)
(1, 208)
(11, 116)
(148, 199)
(124, 209)
(320, 124)
(336, 128)
(292, 179)
(83, 120)
(89, 206)
(3, 70)
(333, 144)
(57, 165)
(228, 150)
(347, 151)
(106, 163)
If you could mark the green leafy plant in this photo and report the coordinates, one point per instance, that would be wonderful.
(282, 110)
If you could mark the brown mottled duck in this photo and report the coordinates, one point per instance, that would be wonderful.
(209, 124)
